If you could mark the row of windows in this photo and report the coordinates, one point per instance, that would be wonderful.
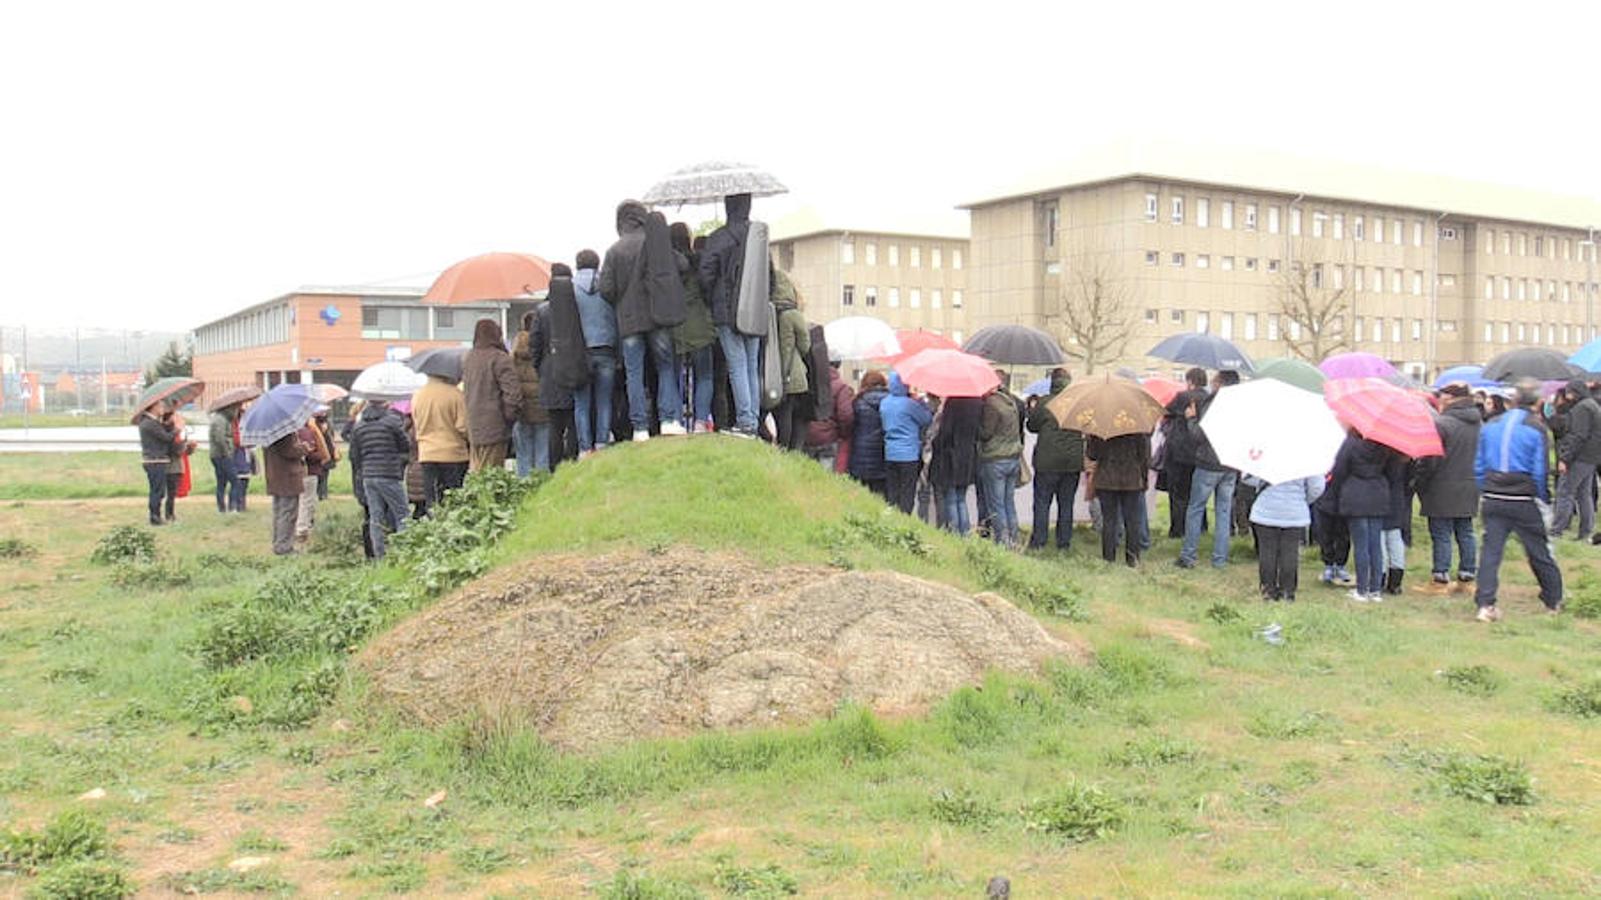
(411, 323)
(1324, 224)
(1364, 278)
(1573, 334)
(1530, 289)
(254, 329)
(914, 297)
(1545, 246)
(1364, 329)
(914, 253)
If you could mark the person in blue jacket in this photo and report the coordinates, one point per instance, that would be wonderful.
(905, 419)
(1510, 467)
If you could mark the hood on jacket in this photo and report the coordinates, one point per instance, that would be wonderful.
(897, 387)
(585, 280)
(560, 290)
(1578, 389)
(783, 290)
(737, 206)
(631, 215)
(374, 410)
(1464, 410)
(487, 334)
(1060, 381)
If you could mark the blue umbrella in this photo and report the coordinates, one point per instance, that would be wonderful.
(278, 413)
(1472, 376)
(1204, 350)
(1588, 357)
(1038, 389)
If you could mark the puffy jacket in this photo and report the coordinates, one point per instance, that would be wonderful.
(1363, 477)
(1445, 484)
(1582, 443)
(1121, 463)
(598, 318)
(439, 418)
(1287, 504)
(621, 274)
(220, 440)
(867, 438)
(532, 411)
(1513, 453)
(379, 446)
(1058, 449)
(827, 430)
(954, 461)
(1000, 431)
(905, 419)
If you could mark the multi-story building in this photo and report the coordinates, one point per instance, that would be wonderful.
(911, 277)
(1425, 272)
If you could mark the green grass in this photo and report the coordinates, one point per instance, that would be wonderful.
(63, 420)
(104, 474)
(1399, 749)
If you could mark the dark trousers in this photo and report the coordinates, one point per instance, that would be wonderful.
(562, 426)
(1120, 515)
(156, 477)
(1058, 488)
(902, 484)
(1521, 517)
(1278, 561)
(878, 486)
(791, 429)
(1333, 537)
(439, 477)
(172, 494)
(322, 484)
(1178, 497)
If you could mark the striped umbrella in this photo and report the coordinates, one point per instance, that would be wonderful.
(1382, 412)
(278, 413)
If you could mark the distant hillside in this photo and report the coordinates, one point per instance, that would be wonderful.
(51, 350)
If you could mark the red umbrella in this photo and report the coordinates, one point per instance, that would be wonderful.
(1382, 412)
(1163, 389)
(492, 276)
(915, 341)
(948, 373)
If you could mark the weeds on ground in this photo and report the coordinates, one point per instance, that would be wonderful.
(1000, 570)
(125, 544)
(1480, 777)
(451, 545)
(1223, 614)
(1477, 680)
(1077, 813)
(84, 880)
(760, 882)
(152, 576)
(1152, 751)
(17, 548)
(1582, 700)
(886, 531)
(629, 884)
(962, 808)
(70, 836)
(1280, 725)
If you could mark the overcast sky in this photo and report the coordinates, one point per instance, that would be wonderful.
(162, 164)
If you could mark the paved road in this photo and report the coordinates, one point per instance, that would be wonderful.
(74, 439)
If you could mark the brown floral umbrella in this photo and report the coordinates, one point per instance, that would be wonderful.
(1106, 409)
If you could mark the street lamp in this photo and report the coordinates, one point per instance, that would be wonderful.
(1589, 285)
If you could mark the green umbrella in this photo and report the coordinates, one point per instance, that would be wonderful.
(175, 390)
(1295, 372)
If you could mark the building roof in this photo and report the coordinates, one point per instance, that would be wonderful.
(807, 221)
(1282, 174)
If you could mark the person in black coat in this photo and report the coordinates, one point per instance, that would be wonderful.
(867, 441)
(557, 345)
(1578, 455)
(1178, 454)
(1448, 492)
(1363, 483)
(953, 463)
(379, 450)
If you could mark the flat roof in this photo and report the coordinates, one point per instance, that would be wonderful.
(1281, 174)
(945, 225)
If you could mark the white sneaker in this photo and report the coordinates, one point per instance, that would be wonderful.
(1357, 597)
(641, 435)
(1488, 614)
(1375, 597)
(673, 429)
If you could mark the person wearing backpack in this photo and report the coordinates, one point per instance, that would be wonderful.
(721, 272)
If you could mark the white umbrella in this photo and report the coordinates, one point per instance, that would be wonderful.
(387, 381)
(710, 182)
(860, 337)
(1272, 430)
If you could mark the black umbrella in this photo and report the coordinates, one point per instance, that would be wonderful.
(1016, 345)
(1204, 350)
(445, 362)
(1531, 362)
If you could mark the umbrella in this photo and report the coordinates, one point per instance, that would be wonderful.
(386, 381)
(948, 373)
(916, 341)
(1472, 376)
(1038, 388)
(1531, 362)
(492, 276)
(1294, 372)
(446, 362)
(1382, 412)
(328, 393)
(1204, 350)
(1273, 429)
(1588, 357)
(1106, 409)
(712, 181)
(859, 337)
(1016, 345)
(234, 397)
(277, 413)
(1163, 389)
(174, 390)
(1357, 365)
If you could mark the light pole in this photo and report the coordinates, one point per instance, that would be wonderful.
(1589, 286)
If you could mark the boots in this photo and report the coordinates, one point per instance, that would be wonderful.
(1392, 580)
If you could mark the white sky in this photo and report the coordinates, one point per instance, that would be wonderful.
(163, 163)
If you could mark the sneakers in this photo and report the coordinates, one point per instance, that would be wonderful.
(1183, 563)
(672, 429)
(1357, 597)
(641, 435)
(1488, 614)
(1554, 610)
(740, 433)
(705, 427)
(1437, 586)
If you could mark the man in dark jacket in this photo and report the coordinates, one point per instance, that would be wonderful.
(720, 269)
(1121, 464)
(1178, 451)
(624, 284)
(1211, 479)
(1578, 454)
(1510, 467)
(562, 359)
(380, 448)
(1448, 493)
(1058, 465)
(158, 440)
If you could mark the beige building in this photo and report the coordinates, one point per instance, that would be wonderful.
(913, 275)
(1426, 272)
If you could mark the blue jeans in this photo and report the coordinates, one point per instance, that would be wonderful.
(1367, 546)
(1441, 531)
(669, 405)
(1203, 484)
(954, 500)
(387, 508)
(533, 447)
(1394, 549)
(594, 430)
(997, 479)
(744, 355)
(700, 365)
(230, 490)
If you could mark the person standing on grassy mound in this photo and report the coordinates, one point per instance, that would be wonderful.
(905, 418)
(494, 396)
(866, 462)
(380, 448)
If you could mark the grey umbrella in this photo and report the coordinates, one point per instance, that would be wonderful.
(1531, 362)
(445, 362)
(1016, 345)
(712, 181)
(1205, 350)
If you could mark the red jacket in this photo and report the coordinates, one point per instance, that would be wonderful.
(836, 427)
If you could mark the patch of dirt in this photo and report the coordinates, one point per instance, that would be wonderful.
(596, 651)
(1176, 631)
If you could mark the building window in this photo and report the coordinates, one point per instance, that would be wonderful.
(847, 295)
(1395, 331)
(894, 254)
(1506, 287)
(1378, 280)
(1054, 267)
(847, 252)
(956, 299)
(1361, 328)
(1417, 283)
(1523, 243)
(1489, 243)
(1417, 329)
(1176, 210)
(1359, 276)
(916, 298)
(936, 257)
(1250, 326)
(1176, 316)
(1506, 333)
(1152, 258)
(1567, 248)
(1150, 317)
(1339, 226)
(1203, 261)
(1339, 277)
(1395, 232)
(1150, 207)
(1506, 243)
(1395, 281)
(1356, 229)
(1448, 326)
(1178, 260)
(1295, 221)
(894, 298)
(872, 253)
(1250, 264)
(1250, 217)
(1566, 292)
(1272, 265)
(1489, 287)
(1550, 290)
(1317, 275)
(1273, 326)
(444, 318)
(1203, 212)
(1564, 334)
(1489, 332)
(369, 317)
(1523, 288)
(1522, 335)
(917, 253)
(1539, 245)
(1225, 326)
(1294, 328)
(1050, 223)
(957, 336)
(936, 298)
(1320, 222)
(1272, 220)
(1417, 233)
(1226, 263)
(1202, 322)
(956, 258)
(1378, 229)
(1228, 215)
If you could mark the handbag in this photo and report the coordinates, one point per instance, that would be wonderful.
(1024, 473)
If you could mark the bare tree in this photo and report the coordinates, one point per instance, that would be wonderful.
(1313, 310)
(1096, 314)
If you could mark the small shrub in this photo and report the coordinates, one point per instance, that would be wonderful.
(83, 880)
(1477, 680)
(447, 548)
(1486, 779)
(125, 544)
(1153, 750)
(70, 836)
(1285, 726)
(1581, 700)
(17, 548)
(1223, 614)
(78, 674)
(755, 881)
(1586, 605)
(152, 576)
(481, 860)
(627, 884)
(211, 561)
(1077, 813)
(257, 841)
(962, 808)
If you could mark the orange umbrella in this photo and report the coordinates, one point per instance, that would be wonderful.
(492, 276)
(915, 341)
(1163, 389)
